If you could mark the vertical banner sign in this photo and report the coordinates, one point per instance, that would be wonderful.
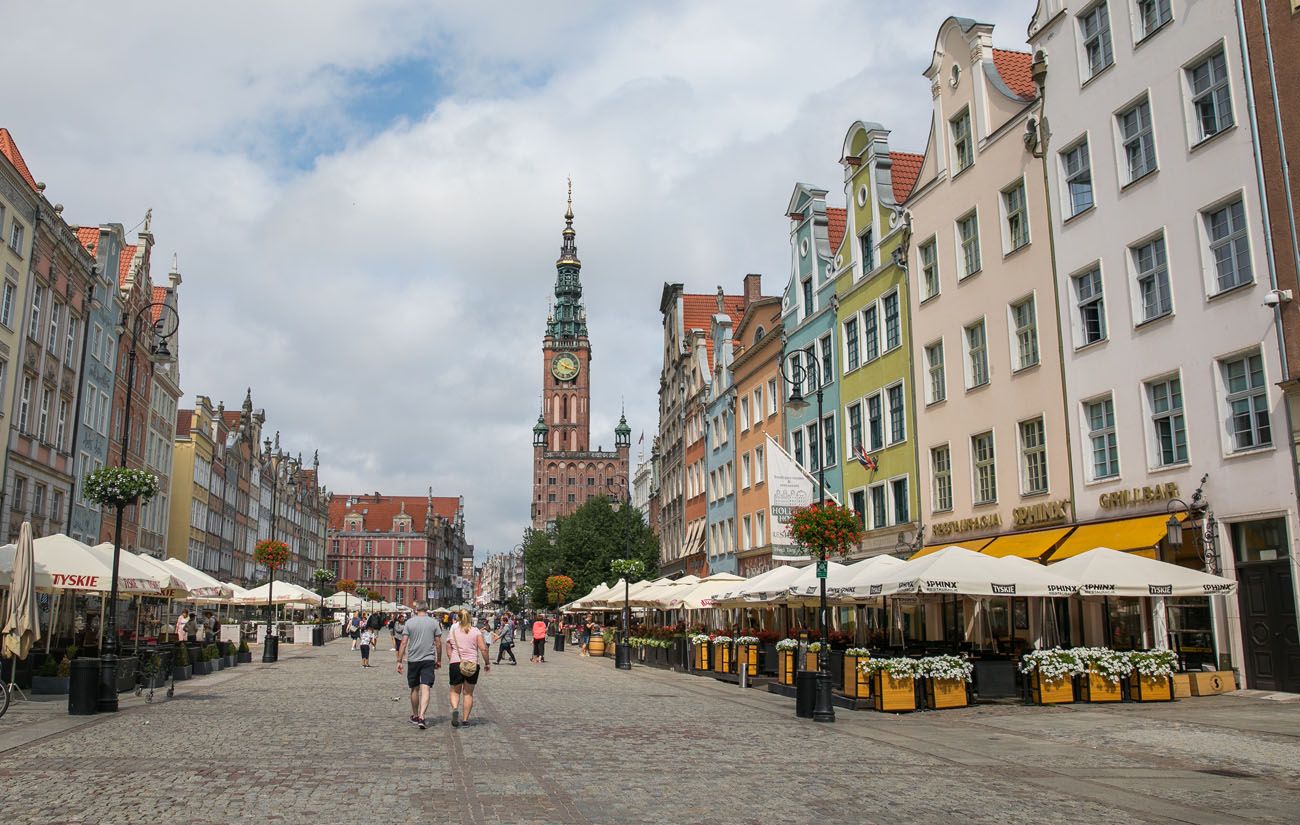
(788, 488)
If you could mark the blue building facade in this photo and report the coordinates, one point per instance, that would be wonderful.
(720, 452)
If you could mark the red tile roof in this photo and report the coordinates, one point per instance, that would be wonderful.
(837, 220)
(1014, 68)
(89, 237)
(229, 416)
(380, 510)
(9, 149)
(906, 169)
(184, 421)
(124, 263)
(698, 312)
(159, 295)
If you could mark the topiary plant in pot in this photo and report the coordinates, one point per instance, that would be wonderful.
(243, 655)
(181, 667)
(47, 681)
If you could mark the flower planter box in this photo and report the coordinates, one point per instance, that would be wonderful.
(218, 664)
(785, 666)
(747, 657)
(1150, 688)
(182, 674)
(722, 658)
(1044, 692)
(856, 685)
(702, 657)
(50, 685)
(1211, 682)
(946, 693)
(892, 695)
(810, 661)
(1182, 685)
(1094, 687)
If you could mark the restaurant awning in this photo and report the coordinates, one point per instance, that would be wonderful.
(974, 545)
(1140, 535)
(1031, 545)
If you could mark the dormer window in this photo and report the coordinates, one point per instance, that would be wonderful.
(962, 151)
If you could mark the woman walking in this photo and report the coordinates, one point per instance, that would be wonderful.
(399, 631)
(539, 641)
(367, 641)
(465, 645)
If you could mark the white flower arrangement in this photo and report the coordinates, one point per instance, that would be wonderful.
(1111, 665)
(814, 647)
(1154, 664)
(860, 652)
(700, 639)
(120, 486)
(945, 667)
(788, 644)
(898, 668)
(746, 640)
(722, 640)
(1051, 665)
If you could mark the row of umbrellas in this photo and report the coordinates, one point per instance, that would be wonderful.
(953, 570)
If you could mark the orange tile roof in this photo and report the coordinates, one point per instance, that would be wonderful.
(698, 312)
(184, 421)
(837, 220)
(1014, 68)
(159, 295)
(124, 263)
(906, 169)
(380, 510)
(9, 148)
(89, 237)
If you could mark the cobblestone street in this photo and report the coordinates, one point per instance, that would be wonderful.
(316, 739)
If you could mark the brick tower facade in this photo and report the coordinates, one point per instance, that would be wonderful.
(566, 471)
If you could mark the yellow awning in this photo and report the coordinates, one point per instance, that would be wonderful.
(973, 545)
(1031, 545)
(1139, 534)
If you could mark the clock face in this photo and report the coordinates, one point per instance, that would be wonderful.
(565, 366)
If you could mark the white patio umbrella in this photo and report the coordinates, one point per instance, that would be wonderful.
(201, 585)
(860, 571)
(22, 625)
(129, 565)
(340, 599)
(597, 592)
(75, 566)
(614, 598)
(958, 571)
(702, 596)
(44, 581)
(805, 589)
(774, 583)
(281, 592)
(1106, 572)
(174, 585)
(735, 597)
(658, 593)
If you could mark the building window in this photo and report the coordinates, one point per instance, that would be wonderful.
(851, 344)
(7, 304)
(744, 471)
(771, 397)
(1152, 16)
(897, 419)
(936, 388)
(52, 342)
(854, 412)
(902, 511)
(760, 469)
(25, 404)
(828, 363)
(797, 437)
(38, 500)
(60, 425)
(1152, 269)
(1033, 456)
(1226, 228)
(962, 149)
(745, 526)
(1166, 399)
(871, 332)
(814, 447)
(1025, 324)
(807, 297)
(858, 501)
(34, 330)
(868, 252)
(1211, 99)
(1013, 203)
(929, 270)
(572, 498)
(941, 470)
(1076, 166)
(1094, 29)
(1091, 305)
(20, 492)
(1247, 402)
(828, 440)
(16, 237)
(968, 231)
(758, 408)
(550, 497)
(744, 414)
(986, 474)
(1101, 436)
(70, 340)
(977, 356)
(399, 570)
(1138, 140)
(760, 528)
(893, 333)
(875, 424)
(879, 507)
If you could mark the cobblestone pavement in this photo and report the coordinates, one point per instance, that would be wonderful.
(316, 739)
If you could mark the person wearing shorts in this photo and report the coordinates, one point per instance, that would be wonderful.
(465, 644)
(539, 640)
(367, 642)
(422, 656)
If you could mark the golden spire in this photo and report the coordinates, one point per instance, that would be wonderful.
(568, 213)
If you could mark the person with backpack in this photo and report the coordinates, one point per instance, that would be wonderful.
(539, 641)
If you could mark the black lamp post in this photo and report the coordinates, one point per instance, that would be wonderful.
(799, 373)
(622, 650)
(162, 325)
(271, 644)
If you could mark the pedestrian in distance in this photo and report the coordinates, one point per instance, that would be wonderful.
(465, 646)
(181, 621)
(355, 626)
(505, 639)
(539, 640)
(421, 654)
(367, 641)
(584, 637)
(399, 631)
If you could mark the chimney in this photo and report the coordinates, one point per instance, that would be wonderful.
(753, 288)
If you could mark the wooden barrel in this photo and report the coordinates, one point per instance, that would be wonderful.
(596, 645)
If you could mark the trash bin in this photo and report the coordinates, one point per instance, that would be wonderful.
(83, 687)
(317, 636)
(805, 693)
(271, 650)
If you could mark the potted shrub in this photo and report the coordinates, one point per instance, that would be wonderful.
(243, 655)
(152, 673)
(213, 654)
(1051, 674)
(181, 667)
(1151, 679)
(1104, 671)
(721, 654)
(946, 680)
(893, 683)
(51, 678)
(747, 655)
(228, 654)
(786, 650)
(202, 665)
(857, 682)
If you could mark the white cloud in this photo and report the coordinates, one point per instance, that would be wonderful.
(382, 286)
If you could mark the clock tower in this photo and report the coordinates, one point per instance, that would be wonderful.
(567, 470)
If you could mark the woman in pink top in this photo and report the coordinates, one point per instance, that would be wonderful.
(464, 644)
(539, 640)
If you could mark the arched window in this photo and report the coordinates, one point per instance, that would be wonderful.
(564, 407)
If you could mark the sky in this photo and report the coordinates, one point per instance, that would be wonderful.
(366, 198)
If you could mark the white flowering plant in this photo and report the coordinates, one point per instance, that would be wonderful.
(1112, 665)
(722, 640)
(814, 647)
(788, 644)
(700, 639)
(897, 668)
(860, 652)
(120, 486)
(946, 667)
(1052, 665)
(1154, 664)
(746, 640)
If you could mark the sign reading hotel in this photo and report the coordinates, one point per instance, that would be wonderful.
(1137, 496)
(789, 487)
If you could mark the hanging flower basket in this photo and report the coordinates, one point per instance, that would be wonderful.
(826, 529)
(120, 486)
(271, 553)
(558, 588)
(629, 569)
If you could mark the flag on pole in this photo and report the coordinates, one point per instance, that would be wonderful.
(641, 440)
(865, 460)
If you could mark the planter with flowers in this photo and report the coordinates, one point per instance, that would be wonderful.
(700, 657)
(857, 682)
(1152, 676)
(1104, 672)
(810, 659)
(1051, 675)
(893, 683)
(947, 681)
(747, 654)
(721, 660)
(786, 650)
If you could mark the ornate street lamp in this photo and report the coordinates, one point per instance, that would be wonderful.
(283, 468)
(1196, 509)
(798, 373)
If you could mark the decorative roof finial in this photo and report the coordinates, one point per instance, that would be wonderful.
(568, 212)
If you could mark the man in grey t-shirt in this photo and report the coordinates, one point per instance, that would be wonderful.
(422, 655)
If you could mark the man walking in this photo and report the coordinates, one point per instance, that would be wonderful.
(421, 653)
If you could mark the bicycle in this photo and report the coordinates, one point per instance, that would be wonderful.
(8, 688)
